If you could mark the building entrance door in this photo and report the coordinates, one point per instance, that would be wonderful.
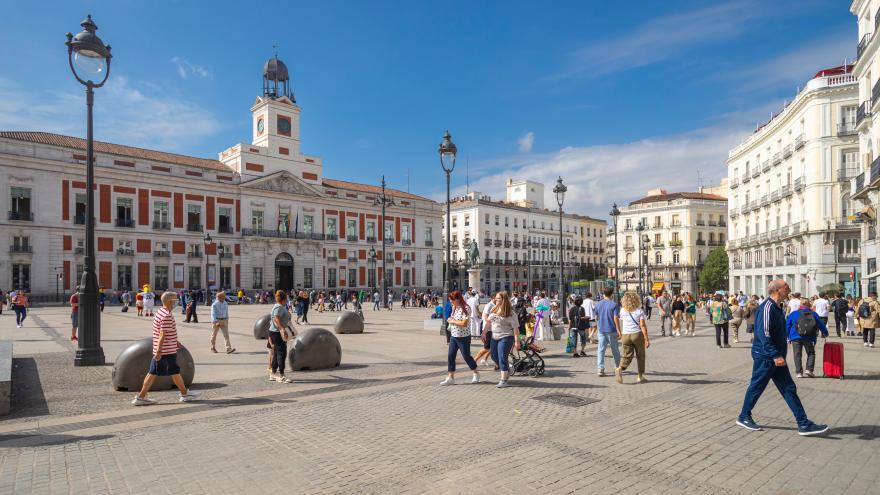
(284, 272)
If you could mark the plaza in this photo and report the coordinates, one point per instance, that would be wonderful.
(381, 424)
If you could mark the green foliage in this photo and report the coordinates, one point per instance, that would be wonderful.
(714, 275)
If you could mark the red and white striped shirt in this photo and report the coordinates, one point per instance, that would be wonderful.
(164, 321)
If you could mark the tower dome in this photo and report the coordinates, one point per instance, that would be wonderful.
(276, 79)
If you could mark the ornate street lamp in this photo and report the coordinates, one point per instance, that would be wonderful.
(641, 227)
(384, 201)
(372, 270)
(89, 60)
(560, 190)
(208, 241)
(221, 251)
(447, 151)
(615, 212)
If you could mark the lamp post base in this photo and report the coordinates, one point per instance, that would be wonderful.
(93, 356)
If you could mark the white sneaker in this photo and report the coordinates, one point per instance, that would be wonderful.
(448, 381)
(273, 377)
(146, 401)
(502, 384)
(799, 375)
(190, 396)
(482, 362)
(871, 345)
(865, 344)
(476, 378)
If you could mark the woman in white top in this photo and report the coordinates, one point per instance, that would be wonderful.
(634, 339)
(502, 333)
(459, 339)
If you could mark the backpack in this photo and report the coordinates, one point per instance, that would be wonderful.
(806, 325)
(725, 312)
(864, 310)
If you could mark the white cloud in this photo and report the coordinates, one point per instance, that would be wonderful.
(659, 39)
(526, 141)
(124, 114)
(185, 69)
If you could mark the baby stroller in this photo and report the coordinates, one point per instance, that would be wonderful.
(527, 360)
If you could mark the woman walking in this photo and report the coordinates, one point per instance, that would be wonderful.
(720, 314)
(634, 336)
(20, 305)
(739, 314)
(460, 339)
(690, 315)
(304, 300)
(504, 328)
(279, 334)
(677, 316)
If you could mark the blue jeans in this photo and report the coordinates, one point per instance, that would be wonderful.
(573, 337)
(499, 349)
(764, 370)
(20, 314)
(605, 340)
(462, 344)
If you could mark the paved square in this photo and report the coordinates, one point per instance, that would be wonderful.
(381, 424)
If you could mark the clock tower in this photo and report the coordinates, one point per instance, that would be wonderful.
(275, 113)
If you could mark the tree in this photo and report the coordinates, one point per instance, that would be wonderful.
(714, 274)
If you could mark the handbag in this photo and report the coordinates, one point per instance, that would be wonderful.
(286, 333)
(725, 312)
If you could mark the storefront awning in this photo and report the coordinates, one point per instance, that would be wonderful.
(658, 286)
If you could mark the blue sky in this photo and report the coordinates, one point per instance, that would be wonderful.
(617, 97)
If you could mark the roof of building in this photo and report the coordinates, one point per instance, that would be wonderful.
(835, 71)
(114, 149)
(464, 200)
(679, 195)
(366, 188)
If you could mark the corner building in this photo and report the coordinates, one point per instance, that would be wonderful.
(790, 209)
(518, 241)
(274, 220)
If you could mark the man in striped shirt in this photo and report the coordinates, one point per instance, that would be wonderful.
(164, 362)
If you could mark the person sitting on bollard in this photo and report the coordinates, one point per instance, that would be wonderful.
(164, 362)
(220, 321)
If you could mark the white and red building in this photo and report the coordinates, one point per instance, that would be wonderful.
(273, 219)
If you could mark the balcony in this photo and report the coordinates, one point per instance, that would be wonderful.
(516, 244)
(715, 243)
(429, 260)
(125, 222)
(733, 213)
(786, 151)
(157, 225)
(224, 229)
(125, 252)
(25, 248)
(774, 235)
(777, 159)
(765, 166)
(390, 240)
(507, 244)
(757, 171)
(79, 220)
(734, 183)
(847, 172)
(783, 231)
(497, 243)
(406, 261)
(700, 223)
(315, 237)
(352, 258)
(847, 129)
(226, 255)
(628, 248)
(163, 253)
(744, 209)
(849, 258)
(798, 184)
(863, 43)
(875, 172)
(746, 178)
(657, 225)
(429, 243)
(748, 264)
(765, 200)
(863, 112)
(389, 260)
(722, 223)
(191, 227)
(407, 242)
(790, 259)
(22, 216)
(763, 237)
(193, 254)
(785, 191)
(332, 258)
(351, 238)
(713, 223)
(701, 242)
(846, 223)
(799, 141)
(775, 196)
(79, 250)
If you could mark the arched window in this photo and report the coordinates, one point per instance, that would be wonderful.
(845, 207)
(675, 257)
(658, 258)
(629, 258)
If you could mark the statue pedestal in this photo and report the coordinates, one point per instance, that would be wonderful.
(474, 278)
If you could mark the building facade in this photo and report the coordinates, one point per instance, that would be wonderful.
(791, 212)
(518, 240)
(677, 232)
(865, 187)
(262, 216)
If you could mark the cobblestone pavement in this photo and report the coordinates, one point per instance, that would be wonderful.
(385, 426)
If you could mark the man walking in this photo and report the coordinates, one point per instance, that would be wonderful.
(190, 304)
(164, 362)
(376, 299)
(664, 305)
(821, 307)
(768, 356)
(608, 319)
(840, 307)
(803, 326)
(869, 318)
(590, 311)
(220, 321)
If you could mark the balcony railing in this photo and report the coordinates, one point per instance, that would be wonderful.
(352, 258)
(777, 158)
(775, 196)
(863, 43)
(192, 254)
(125, 222)
(798, 184)
(786, 151)
(746, 178)
(125, 252)
(756, 171)
(329, 237)
(847, 172)
(79, 250)
(849, 258)
(847, 129)
(27, 248)
(407, 242)
(224, 229)
(497, 242)
(331, 258)
(22, 216)
(733, 213)
(157, 225)
(351, 238)
(783, 231)
(799, 142)
(863, 112)
(722, 223)
(846, 223)
(284, 234)
(79, 220)
(765, 167)
(734, 183)
(701, 242)
(713, 223)
(628, 248)
(700, 223)
(507, 244)
(406, 261)
(191, 227)
(226, 255)
(785, 191)
(875, 171)
(162, 253)
(765, 200)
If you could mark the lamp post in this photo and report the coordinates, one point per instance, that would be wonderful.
(89, 58)
(208, 240)
(221, 251)
(639, 229)
(647, 264)
(384, 201)
(615, 212)
(560, 190)
(372, 270)
(447, 150)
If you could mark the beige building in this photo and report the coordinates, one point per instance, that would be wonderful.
(679, 229)
(790, 208)
(518, 239)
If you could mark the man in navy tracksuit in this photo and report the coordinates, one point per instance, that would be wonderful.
(768, 354)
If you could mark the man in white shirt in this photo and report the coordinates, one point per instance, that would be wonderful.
(794, 303)
(590, 311)
(820, 306)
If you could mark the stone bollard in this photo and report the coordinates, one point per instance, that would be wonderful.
(349, 322)
(261, 327)
(132, 364)
(314, 348)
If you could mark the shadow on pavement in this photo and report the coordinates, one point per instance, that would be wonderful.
(28, 398)
(208, 385)
(30, 440)
(864, 432)
(526, 382)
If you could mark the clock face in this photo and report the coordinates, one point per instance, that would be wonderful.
(283, 126)
(260, 126)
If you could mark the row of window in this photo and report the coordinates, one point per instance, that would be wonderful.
(676, 221)
(466, 220)
(676, 239)
(658, 258)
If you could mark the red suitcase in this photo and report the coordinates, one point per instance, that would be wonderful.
(832, 360)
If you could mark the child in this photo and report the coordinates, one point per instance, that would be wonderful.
(139, 303)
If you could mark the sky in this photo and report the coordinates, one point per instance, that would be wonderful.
(615, 97)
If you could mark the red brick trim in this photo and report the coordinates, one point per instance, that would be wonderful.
(309, 176)
(157, 168)
(193, 173)
(253, 167)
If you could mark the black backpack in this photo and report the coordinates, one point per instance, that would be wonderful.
(806, 325)
(864, 310)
